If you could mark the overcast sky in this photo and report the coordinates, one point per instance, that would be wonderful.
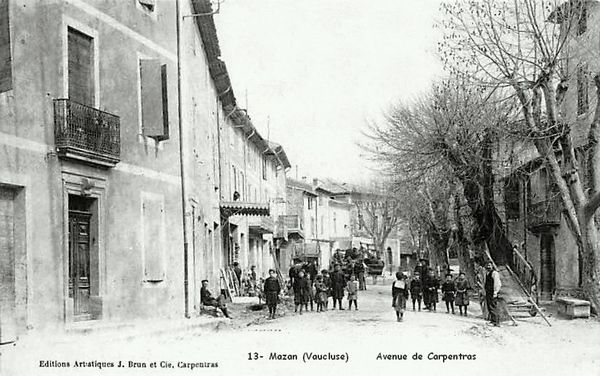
(318, 69)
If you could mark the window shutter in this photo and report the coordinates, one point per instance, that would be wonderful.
(81, 88)
(151, 73)
(5, 53)
(165, 102)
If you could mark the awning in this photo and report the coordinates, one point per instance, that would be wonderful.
(229, 208)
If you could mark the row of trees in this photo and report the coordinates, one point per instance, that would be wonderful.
(510, 65)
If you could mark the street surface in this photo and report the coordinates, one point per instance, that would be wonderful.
(531, 348)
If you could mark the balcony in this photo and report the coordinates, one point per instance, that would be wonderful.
(543, 214)
(86, 134)
(261, 225)
(289, 224)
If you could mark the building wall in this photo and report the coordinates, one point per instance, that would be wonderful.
(147, 173)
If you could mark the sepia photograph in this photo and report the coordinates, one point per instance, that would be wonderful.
(299, 187)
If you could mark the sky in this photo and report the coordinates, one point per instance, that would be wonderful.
(314, 72)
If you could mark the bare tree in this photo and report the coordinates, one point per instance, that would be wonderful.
(378, 213)
(525, 46)
(449, 134)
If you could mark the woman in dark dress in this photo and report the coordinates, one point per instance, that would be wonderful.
(272, 289)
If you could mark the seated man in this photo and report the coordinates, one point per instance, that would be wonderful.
(207, 299)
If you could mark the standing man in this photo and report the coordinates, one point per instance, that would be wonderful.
(338, 284)
(492, 287)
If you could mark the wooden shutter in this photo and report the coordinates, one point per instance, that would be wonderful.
(154, 99)
(152, 218)
(81, 86)
(165, 102)
(5, 53)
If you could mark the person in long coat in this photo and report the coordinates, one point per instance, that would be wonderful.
(432, 285)
(399, 295)
(272, 288)
(338, 284)
(301, 291)
(462, 293)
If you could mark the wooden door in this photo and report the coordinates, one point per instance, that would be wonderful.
(8, 322)
(79, 263)
(547, 267)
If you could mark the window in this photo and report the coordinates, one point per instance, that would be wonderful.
(81, 67)
(511, 198)
(310, 203)
(153, 86)
(153, 236)
(264, 168)
(5, 54)
(148, 5)
(582, 90)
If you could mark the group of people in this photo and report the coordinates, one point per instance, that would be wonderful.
(424, 287)
(311, 287)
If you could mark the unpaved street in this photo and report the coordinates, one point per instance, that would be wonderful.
(530, 348)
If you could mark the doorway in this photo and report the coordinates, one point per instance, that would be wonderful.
(82, 240)
(547, 267)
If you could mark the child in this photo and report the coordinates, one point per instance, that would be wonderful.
(321, 294)
(301, 291)
(431, 286)
(272, 289)
(416, 290)
(462, 294)
(338, 284)
(449, 291)
(399, 295)
(352, 287)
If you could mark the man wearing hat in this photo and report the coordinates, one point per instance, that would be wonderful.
(208, 300)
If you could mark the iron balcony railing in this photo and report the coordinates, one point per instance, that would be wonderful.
(544, 213)
(87, 134)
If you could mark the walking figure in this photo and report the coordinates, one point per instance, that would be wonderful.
(352, 287)
(327, 283)
(399, 295)
(449, 292)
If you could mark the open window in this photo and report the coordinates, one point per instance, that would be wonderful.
(155, 114)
